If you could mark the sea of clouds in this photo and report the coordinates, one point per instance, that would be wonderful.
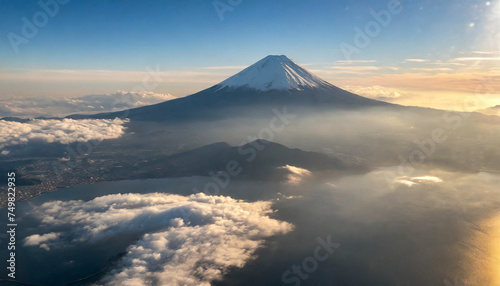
(186, 240)
(119, 100)
(413, 231)
(63, 131)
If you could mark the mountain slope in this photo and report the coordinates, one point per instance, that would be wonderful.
(274, 81)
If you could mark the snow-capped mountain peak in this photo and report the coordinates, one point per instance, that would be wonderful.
(274, 72)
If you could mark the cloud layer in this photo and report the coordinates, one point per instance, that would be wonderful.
(295, 174)
(189, 240)
(64, 131)
(40, 240)
(376, 92)
(410, 181)
(119, 100)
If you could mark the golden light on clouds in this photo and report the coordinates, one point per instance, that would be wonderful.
(444, 84)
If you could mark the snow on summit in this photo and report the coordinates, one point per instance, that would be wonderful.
(274, 72)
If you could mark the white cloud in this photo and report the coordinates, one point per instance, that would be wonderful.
(375, 91)
(416, 60)
(174, 251)
(33, 75)
(37, 239)
(478, 59)
(486, 52)
(94, 103)
(64, 131)
(296, 174)
(224, 68)
(432, 69)
(280, 196)
(356, 61)
(410, 181)
(356, 68)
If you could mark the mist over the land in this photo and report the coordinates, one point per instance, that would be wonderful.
(372, 137)
(378, 136)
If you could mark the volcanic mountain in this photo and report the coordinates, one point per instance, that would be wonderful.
(274, 81)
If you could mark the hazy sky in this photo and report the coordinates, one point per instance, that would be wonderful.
(429, 53)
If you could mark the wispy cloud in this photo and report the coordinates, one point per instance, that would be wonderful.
(355, 62)
(351, 70)
(416, 60)
(356, 68)
(376, 92)
(223, 68)
(295, 174)
(449, 82)
(445, 63)
(411, 181)
(111, 76)
(477, 59)
(482, 52)
(433, 69)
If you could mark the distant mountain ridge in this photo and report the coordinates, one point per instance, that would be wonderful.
(494, 110)
(257, 159)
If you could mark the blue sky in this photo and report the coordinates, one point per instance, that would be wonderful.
(183, 38)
